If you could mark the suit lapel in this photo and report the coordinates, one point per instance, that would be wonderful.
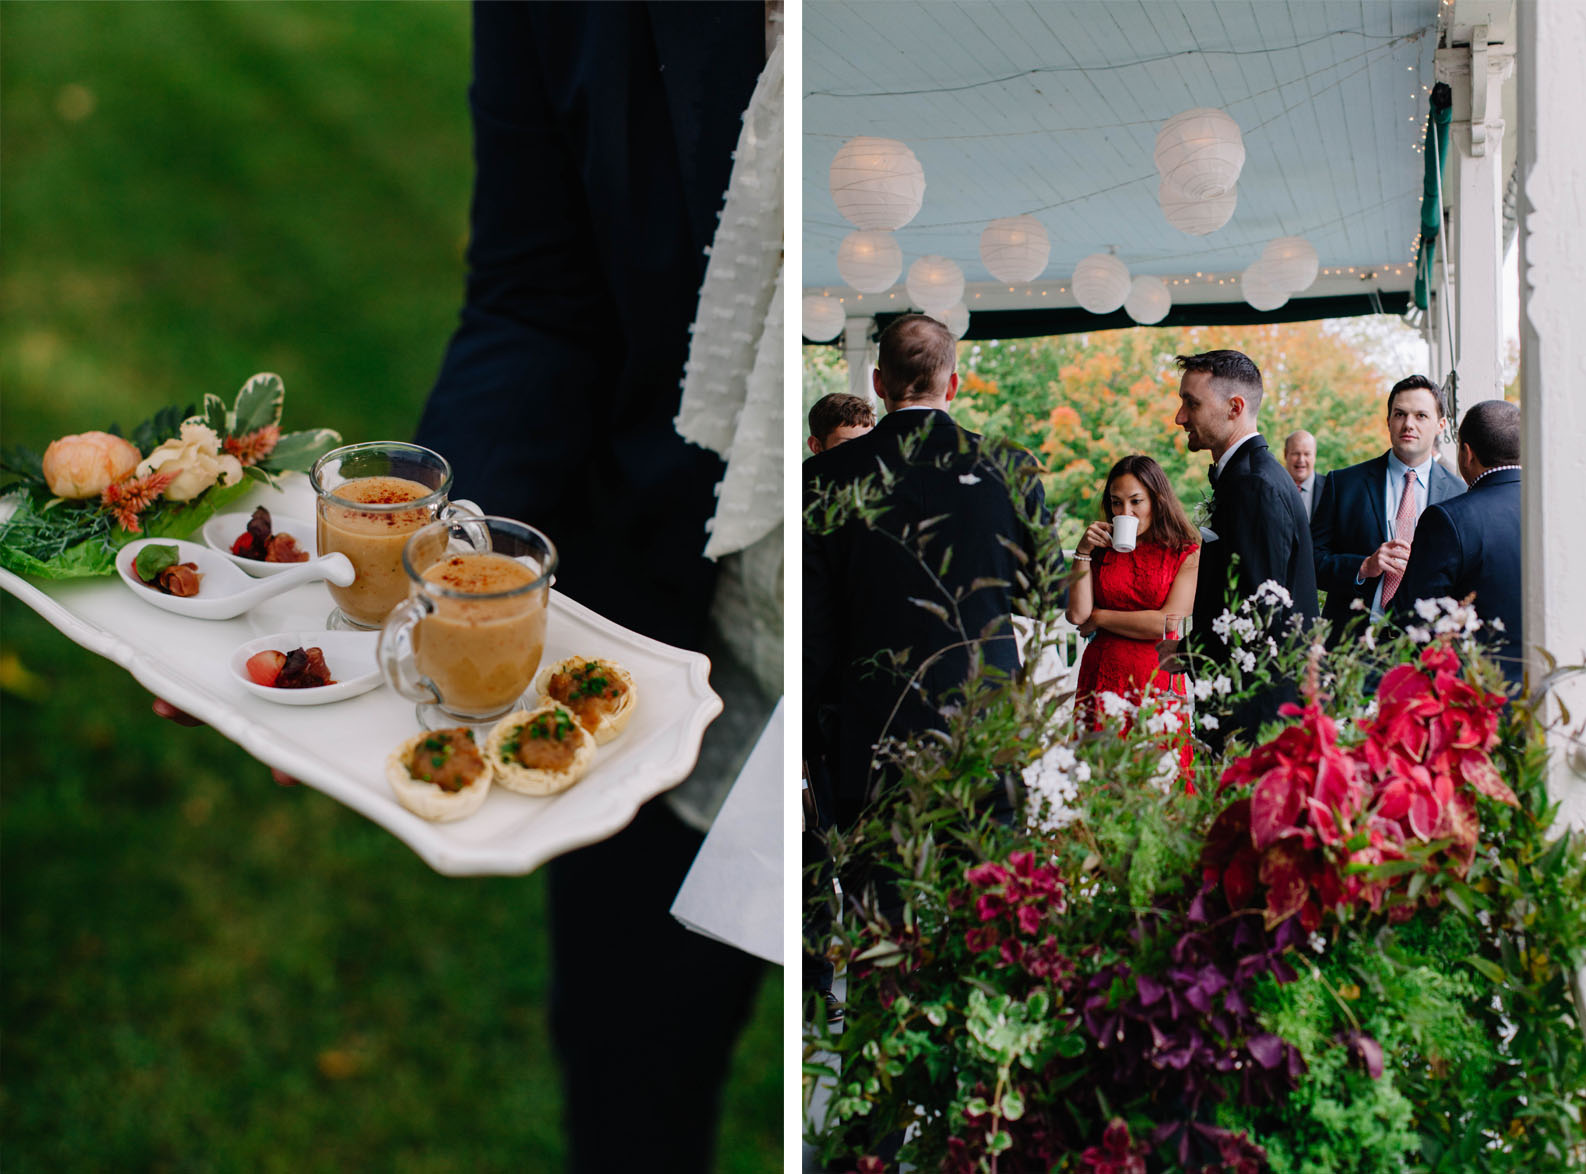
(1376, 483)
(1442, 485)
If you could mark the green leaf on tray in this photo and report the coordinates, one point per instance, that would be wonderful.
(258, 404)
(23, 464)
(297, 451)
(164, 425)
(153, 559)
(215, 415)
(78, 541)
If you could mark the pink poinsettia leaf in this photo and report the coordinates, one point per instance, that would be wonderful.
(1285, 872)
(1275, 807)
(1477, 771)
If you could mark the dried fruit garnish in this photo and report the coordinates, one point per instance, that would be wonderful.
(305, 668)
(261, 544)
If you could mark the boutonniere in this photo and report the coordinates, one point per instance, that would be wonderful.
(1201, 513)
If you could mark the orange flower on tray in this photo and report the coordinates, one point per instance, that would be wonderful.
(255, 446)
(130, 497)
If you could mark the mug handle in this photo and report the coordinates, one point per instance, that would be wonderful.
(395, 651)
(461, 507)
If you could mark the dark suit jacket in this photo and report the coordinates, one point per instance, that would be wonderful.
(1351, 521)
(1262, 531)
(859, 583)
(603, 140)
(1472, 544)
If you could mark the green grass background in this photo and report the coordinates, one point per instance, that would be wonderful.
(200, 970)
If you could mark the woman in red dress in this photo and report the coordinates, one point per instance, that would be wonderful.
(1124, 599)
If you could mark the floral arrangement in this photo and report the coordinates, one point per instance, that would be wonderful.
(68, 512)
(1348, 947)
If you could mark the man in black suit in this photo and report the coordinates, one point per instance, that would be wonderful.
(861, 582)
(1257, 531)
(1367, 514)
(1471, 544)
(603, 141)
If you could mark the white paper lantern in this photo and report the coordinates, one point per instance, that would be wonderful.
(935, 283)
(870, 261)
(1200, 152)
(1291, 263)
(955, 319)
(1196, 217)
(823, 318)
(877, 183)
(1015, 249)
(1100, 283)
(1148, 300)
(1259, 289)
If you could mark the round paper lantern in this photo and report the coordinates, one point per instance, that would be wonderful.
(870, 261)
(1259, 289)
(1196, 217)
(1100, 283)
(1015, 249)
(1291, 263)
(955, 319)
(823, 318)
(877, 183)
(1200, 152)
(935, 283)
(1148, 300)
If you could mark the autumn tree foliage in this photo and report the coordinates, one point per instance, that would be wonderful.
(1082, 401)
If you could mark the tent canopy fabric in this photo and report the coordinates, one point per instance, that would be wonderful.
(1052, 107)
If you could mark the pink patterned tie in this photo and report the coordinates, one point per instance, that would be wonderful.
(1404, 531)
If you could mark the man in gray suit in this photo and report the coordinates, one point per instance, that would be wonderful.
(1365, 515)
(1299, 458)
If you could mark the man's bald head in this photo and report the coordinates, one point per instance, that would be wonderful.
(917, 363)
(1299, 455)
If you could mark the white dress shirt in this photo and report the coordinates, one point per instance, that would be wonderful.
(1307, 490)
(1228, 453)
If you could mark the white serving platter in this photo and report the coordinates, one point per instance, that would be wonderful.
(341, 749)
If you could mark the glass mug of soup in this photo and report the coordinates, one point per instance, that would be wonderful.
(369, 499)
(466, 642)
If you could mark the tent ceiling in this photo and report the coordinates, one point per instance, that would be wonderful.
(1052, 108)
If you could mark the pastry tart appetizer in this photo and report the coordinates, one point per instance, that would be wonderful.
(540, 751)
(600, 693)
(439, 774)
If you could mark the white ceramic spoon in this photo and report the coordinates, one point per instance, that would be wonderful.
(222, 530)
(225, 591)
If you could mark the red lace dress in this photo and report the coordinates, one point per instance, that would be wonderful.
(1137, 581)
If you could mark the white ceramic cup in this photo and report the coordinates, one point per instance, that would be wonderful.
(1125, 530)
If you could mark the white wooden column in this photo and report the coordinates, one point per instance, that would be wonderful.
(1476, 73)
(1552, 87)
(856, 350)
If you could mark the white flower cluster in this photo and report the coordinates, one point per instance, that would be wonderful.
(1054, 780)
(1206, 686)
(1274, 593)
(1241, 625)
(1115, 706)
(1448, 617)
(1245, 660)
(1166, 773)
(1164, 721)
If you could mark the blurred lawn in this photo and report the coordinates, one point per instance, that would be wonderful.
(201, 971)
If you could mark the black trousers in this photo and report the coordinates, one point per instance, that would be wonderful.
(644, 1013)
